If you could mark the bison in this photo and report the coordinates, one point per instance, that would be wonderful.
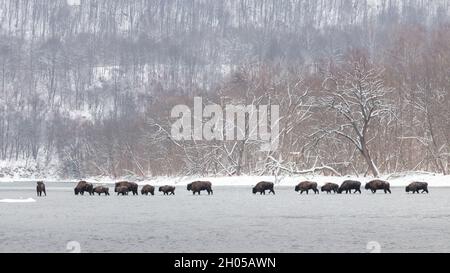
(198, 186)
(262, 187)
(350, 185)
(167, 190)
(101, 189)
(40, 188)
(84, 186)
(133, 187)
(122, 190)
(330, 187)
(375, 185)
(417, 186)
(148, 189)
(306, 186)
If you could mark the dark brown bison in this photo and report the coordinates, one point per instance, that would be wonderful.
(350, 185)
(40, 188)
(133, 187)
(199, 186)
(148, 189)
(262, 187)
(306, 186)
(415, 187)
(167, 190)
(122, 190)
(101, 189)
(375, 185)
(84, 186)
(330, 187)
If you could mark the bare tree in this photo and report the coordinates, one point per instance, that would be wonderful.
(356, 94)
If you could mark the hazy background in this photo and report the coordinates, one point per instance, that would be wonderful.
(87, 88)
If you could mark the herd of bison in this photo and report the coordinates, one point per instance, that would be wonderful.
(124, 188)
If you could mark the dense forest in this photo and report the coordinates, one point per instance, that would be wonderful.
(87, 86)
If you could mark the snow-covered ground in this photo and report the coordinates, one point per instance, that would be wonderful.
(396, 180)
(27, 200)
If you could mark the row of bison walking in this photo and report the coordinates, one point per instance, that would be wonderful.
(125, 188)
(347, 186)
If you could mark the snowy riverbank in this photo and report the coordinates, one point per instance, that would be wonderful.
(396, 180)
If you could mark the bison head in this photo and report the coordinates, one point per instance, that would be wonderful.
(189, 186)
(297, 188)
(76, 191)
(407, 189)
(367, 186)
(254, 190)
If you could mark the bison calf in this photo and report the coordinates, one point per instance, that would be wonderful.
(306, 186)
(262, 187)
(415, 187)
(330, 187)
(375, 185)
(167, 190)
(148, 189)
(101, 189)
(122, 190)
(198, 186)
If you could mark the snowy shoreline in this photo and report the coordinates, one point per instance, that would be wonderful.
(396, 180)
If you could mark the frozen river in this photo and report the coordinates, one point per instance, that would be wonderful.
(232, 220)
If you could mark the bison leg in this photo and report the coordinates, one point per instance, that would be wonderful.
(272, 191)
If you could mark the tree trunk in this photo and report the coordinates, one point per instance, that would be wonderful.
(373, 168)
